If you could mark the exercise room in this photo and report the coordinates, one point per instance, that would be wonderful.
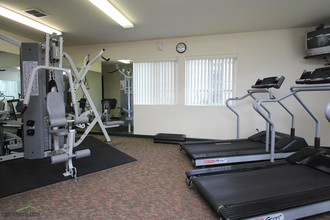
(185, 109)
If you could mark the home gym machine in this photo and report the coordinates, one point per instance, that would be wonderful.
(45, 125)
(293, 188)
(79, 82)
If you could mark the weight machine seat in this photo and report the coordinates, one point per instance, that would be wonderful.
(57, 122)
(56, 114)
(56, 110)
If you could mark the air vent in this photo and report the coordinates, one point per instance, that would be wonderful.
(35, 12)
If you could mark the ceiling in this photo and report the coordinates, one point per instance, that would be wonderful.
(83, 24)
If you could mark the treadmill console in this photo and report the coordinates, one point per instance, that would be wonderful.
(269, 82)
(318, 76)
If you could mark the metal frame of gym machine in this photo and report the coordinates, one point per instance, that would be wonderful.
(39, 140)
(303, 191)
(34, 72)
(80, 82)
(241, 154)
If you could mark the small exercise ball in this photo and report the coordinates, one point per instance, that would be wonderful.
(327, 111)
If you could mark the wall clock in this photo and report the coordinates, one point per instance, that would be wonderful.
(181, 47)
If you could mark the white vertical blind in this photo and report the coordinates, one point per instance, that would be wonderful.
(154, 82)
(209, 81)
(10, 88)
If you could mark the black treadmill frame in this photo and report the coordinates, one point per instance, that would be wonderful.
(241, 150)
(258, 153)
(288, 206)
(314, 200)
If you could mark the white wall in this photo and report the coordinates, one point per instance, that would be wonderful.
(8, 47)
(260, 54)
(9, 62)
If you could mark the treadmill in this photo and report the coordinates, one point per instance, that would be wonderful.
(296, 187)
(253, 148)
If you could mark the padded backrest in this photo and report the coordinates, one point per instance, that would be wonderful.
(56, 110)
(109, 103)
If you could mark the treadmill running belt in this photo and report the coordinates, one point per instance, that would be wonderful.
(233, 194)
(230, 146)
(249, 209)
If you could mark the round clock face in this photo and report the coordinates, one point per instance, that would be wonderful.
(181, 47)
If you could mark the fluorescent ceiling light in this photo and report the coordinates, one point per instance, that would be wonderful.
(27, 21)
(112, 12)
(125, 61)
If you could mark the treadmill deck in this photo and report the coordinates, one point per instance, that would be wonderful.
(278, 188)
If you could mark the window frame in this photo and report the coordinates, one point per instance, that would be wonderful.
(193, 100)
(160, 97)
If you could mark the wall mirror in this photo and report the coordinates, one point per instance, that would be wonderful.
(117, 88)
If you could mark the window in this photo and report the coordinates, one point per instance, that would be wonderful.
(154, 82)
(209, 81)
(10, 88)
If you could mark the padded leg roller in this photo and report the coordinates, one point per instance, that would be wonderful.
(83, 153)
(64, 157)
(59, 158)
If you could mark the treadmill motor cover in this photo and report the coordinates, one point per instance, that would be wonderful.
(315, 158)
(283, 142)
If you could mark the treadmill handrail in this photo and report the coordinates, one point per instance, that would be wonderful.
(292, 132)
(249, 93)
(256, 106)
(293, 92)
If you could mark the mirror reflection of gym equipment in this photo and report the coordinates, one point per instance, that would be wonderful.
(117, 94)
(10, 120)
